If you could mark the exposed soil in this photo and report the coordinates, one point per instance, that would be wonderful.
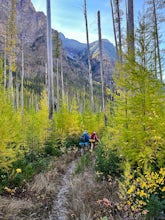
(59, 208)
(59, 194)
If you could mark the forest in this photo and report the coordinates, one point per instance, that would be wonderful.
(38, 125)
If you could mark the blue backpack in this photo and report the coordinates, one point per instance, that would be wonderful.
(82, 138)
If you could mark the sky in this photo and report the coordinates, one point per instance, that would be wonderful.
(67, 17)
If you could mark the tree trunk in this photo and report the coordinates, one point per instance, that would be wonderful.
(46, 77)
(119, 28)
(50, 63)
(89, 57)
(17, 95)
(62, 76)
(57, 84)
(130, 30)
(5, 80)
(10, 84)
(114, 28)
(102, 69)
(157, 40)
(22, 80)
(11, 35)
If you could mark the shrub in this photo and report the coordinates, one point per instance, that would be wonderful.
(107, 162)
(83, 163)
(31, 156)
(146, 193)
(49, 150)
(3, 179)
(17, 180)
(72, 141)
(53, 151)
(39, 165)
(28, 171)
(155, 207)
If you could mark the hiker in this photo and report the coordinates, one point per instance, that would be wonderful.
(94, 138)
(84, 140)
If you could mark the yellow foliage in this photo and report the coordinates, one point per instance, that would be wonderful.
(72, 123)
(10, 132)
(131, 189)
(8, 190)
(18, 170)
(141, 188)
(41, 119)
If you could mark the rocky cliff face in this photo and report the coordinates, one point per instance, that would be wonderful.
(31, 33)
(78, 52)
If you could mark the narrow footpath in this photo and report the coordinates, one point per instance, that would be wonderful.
(67, 190)
(59, 210)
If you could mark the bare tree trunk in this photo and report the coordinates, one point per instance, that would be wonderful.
(10, 84)
(130, 30)
(57, 84)
(50, 63)
(22, 79)
(155, 59)
(101, 60)
(116, 17)
(157, 40)
(11, 35)
(5, 80)
(57, 50)
(114, 28)
(46, 77)
(62, 77)
(84, 98)
(89, 57)
(102, 69)
(31, 102)
(17, 95)
(66, 94)
(119, 28)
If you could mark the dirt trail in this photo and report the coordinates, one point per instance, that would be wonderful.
(59, 210)
(36, 200)
(58, 194)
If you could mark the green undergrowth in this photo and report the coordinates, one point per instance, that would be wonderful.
(83, 163)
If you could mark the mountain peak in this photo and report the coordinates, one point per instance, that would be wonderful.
(25, 5)
(32, 25)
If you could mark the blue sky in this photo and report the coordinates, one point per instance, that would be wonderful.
(68, 17)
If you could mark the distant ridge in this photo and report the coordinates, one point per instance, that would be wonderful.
(31, 27)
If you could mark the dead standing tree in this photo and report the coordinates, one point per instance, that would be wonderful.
(89, 57)
(57, 54)
(154, 13)
(116, 18)
(11, 35)
(102, 69)
(130, 30)
(50, 63)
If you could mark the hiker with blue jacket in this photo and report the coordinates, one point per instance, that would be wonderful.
(84, 141)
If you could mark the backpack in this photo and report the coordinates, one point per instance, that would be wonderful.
(82, 138)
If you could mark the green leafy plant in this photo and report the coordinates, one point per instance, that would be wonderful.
(107, 161)
(83, 163)
(155, 207)
(17, 180)
(145, 193)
